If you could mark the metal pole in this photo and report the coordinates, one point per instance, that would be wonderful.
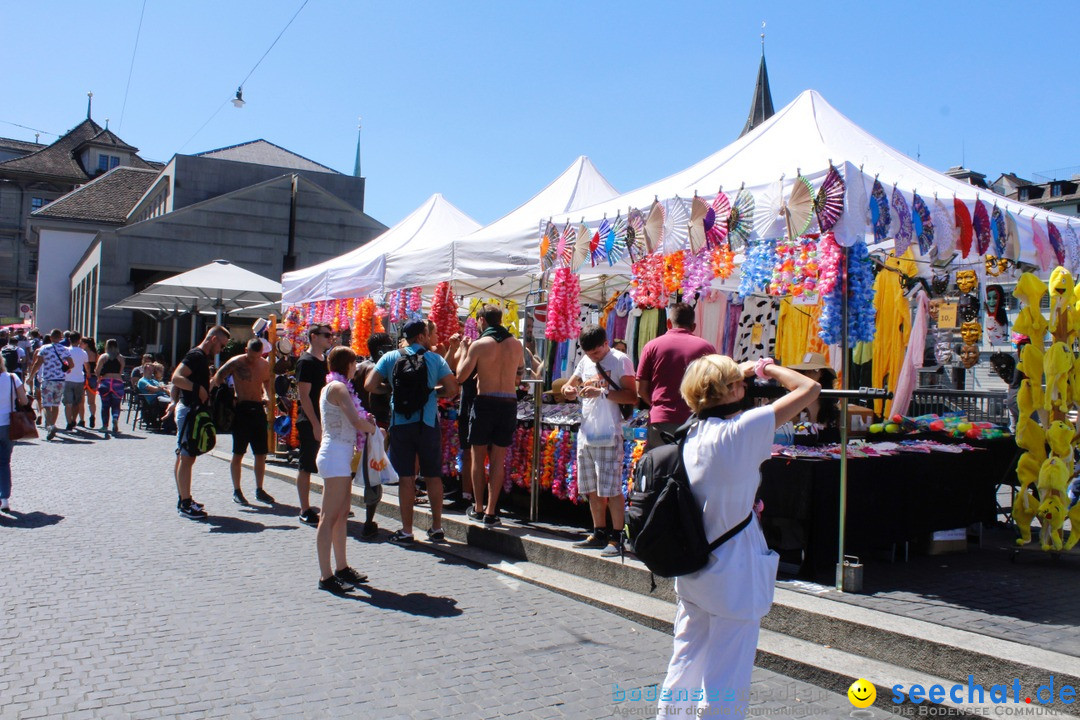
(175, 334)
(194, 328)
(538, 388)
(845, 384)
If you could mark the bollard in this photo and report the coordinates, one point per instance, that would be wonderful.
(853, 574)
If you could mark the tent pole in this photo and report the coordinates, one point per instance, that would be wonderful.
(194, 324)
(175, 334)
(845, 384)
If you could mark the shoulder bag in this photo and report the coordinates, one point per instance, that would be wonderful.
(22, 423)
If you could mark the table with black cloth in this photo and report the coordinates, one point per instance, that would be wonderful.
(891, 499)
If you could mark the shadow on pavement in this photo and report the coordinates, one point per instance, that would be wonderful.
(419, 604)
(30, 520)
(224, 524)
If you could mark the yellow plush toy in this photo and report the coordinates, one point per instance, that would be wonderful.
(1060, 437)
(1029, 290)
(1031, 362)
(1031, 323)
(1031, 437)
(1074, 533)
(1057, 366)
(1054, 478)
(1052, 518)
(1024, 509)
(1074, 382)
(1029, 398)
(1027, 470)
(1061, 296)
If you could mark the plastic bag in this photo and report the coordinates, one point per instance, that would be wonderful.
(379, 469)
(598, 425)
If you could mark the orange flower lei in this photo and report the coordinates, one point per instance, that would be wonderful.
(674, 270)
(723, 261)
(361, 328)
(294, 432)
(547, 476)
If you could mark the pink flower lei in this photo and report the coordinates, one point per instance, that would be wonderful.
(361, 437)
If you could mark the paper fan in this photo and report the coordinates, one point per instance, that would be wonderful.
(980, 222)
(677, 225)
(853, 223)
(1072, 248)
(581, 247)
(997, 229)
(799, 208)
(718, 230)
(548, 242)
(699, 209)
(1055, 242)
(1012, 237)
(1044, 254)
(903, 235)
(944, 231)
(829, 202)
(564, 252)
(635, 234)
(654, 227)
(615, 246)
(741, 220)
(922, 224)
(769, 213)
(963, 224)
(880, 217)
(599, 242)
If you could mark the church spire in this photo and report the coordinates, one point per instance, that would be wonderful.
(356, 165)
(761, 107)
(89, 104)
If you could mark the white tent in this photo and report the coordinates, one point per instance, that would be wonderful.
(497, 258)
(360, 272)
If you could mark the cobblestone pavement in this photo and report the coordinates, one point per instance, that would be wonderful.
(113, 606)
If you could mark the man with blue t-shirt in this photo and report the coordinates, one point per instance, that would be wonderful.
(414, 376)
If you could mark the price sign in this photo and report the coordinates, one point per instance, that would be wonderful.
(947, 315)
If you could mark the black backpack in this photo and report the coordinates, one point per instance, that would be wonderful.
(663, 521)
(223, 408)
(11, 358)
(409, 384)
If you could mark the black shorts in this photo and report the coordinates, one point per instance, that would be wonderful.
(493, 421)
(249, 428)
(416, 441)
(309, 446)
(463, 420)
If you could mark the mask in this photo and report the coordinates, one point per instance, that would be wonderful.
(966, 280)
(971, 333)
(943, 353)
(969, 355)
(935, 308)
(940, 284)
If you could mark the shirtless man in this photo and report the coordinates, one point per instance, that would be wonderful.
(499, 362)
(251, 381)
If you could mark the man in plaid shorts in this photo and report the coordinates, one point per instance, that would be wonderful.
(603, 379)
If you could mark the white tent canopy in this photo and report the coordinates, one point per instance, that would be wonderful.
(218, 287)
(497, 258)
(360, 272)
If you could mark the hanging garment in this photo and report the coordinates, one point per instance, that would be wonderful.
(756, 334)
(797, 332)
(913, 358)
(618, 324)
(893, 326)
(711, 313)
(731, 324)
(647, 330)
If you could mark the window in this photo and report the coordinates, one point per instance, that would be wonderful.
(32, 265)
(1055, 190)
(113, 161)
(36, 203)
(103, 163)
(1023, 194)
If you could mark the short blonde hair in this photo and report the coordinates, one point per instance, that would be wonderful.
(708, 379)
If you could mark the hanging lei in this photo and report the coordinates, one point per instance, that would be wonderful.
(674, 270)
(294, 432)
(648, 282)
(699, 273)
(757, 269)
(361, 437)
(723, 261)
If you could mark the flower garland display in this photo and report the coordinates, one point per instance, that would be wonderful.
(757, 269)
(723, 261)
(291, 326)
(451, 447)
(378, 326)
(361, 437)
(564, 306)
(547, 459)
(648, 282)
(674, 270)
(444, 312)
(796, 270)
(416, 302)
(698, 274)
(361, 327)
(829, 257)
(861, 311)
(398, 306)
(520, 457)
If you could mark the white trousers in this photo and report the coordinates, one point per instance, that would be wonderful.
(711, 665)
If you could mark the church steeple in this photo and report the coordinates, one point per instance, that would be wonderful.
(356, 165)
(761, 107)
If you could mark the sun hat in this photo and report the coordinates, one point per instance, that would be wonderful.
(812, 361)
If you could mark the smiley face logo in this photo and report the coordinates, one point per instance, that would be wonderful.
(862, 694)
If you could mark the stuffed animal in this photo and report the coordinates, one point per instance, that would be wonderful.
(1029, 290)
(1030, 322)
(1060, 437)
(1057, 366)
(1027, 470)
(1054, 476)
(1029, 398)
(1024, 508)
(1061, 296)
(1031, 437)
(1074, 521)
(1031, 362)
(1052, 519)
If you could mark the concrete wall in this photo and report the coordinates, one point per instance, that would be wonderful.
(59, 251)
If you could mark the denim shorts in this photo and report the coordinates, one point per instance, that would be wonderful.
(181, 415)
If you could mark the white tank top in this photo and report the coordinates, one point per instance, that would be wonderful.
(336, 427)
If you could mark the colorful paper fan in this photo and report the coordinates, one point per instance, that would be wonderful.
(741, 220)
(564, 252)
(904, 234)
(944, 231)
(963, 225)
(997, 229)
(717, 231)
(699, 209)
(1055, 242)
(1072, 248)
(654, 227)
(635, 234)
(769, 214)
(880, 217)
(829, 202)
(799, 208)
(922, 224)
(581, 247)
(615, 246)
(856, 217)
(594, 243)
(980, 222)
(1044, 254)
(548, 242)
(676, 225)
(599, 253)
(1012, 237)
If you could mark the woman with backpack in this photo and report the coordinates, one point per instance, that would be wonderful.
(721, 606)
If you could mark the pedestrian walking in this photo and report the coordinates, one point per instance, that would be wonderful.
(720, 606)
(12, 396)
(89, 345)
(192, 378)
(75, 380)
(343, 417)
(251, 378)
(110, 372)
(53, 360)
(310, 380)
(414, 376)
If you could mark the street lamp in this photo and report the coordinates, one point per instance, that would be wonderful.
(238, 101)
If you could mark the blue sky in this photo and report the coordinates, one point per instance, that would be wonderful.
(486, 101)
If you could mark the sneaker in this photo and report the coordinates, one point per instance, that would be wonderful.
(70, 427)
(335, 585)
(51, 434)
(93, 421)
(116, 431)
(105, 435)
(310, 516)
(492, 520)
(263, 496)
(81, 424)
(5, 506)
(595, 541)
(238, 498)
(400, 538)
(436, 535)
(197, 505)
(474, 516)
(192, 512)
(613, 549)
(351, 576)
(371, 529)
(351, 514)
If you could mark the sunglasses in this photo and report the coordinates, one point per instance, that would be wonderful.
(324, 334)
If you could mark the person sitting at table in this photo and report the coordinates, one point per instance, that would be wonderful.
(155, 393)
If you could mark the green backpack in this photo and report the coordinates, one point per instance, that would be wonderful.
(198, 434)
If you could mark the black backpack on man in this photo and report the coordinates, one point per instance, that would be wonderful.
(10, 354)
(409, 387)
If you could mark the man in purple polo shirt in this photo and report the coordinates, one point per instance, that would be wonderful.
(660, 372)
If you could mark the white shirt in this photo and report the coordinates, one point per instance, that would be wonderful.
(80, 358)
(617, 365)
(723, 460)
(7, 395)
